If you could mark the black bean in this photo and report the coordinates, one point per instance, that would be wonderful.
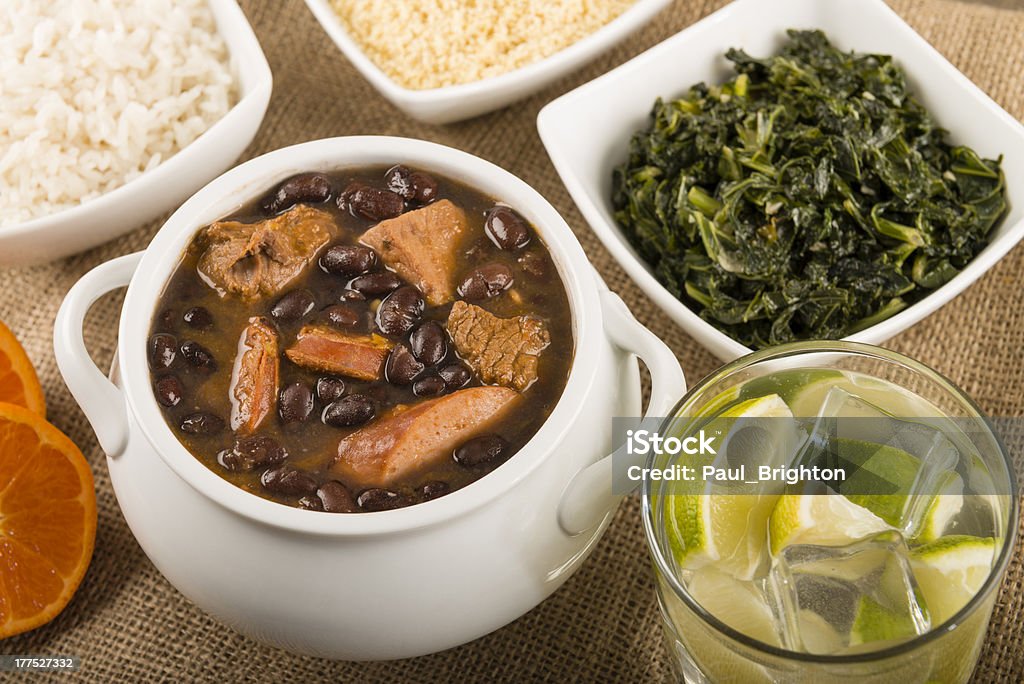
(329, 389)
(348, 260)
(351, 296)
(381, 500)
(335, 498)
(432, 490)
(411, 185)
(425, 187)
(430, 386)
(399, 182)
(295, 403)
(455, 376)
(480, 450)
(202, 423)
(163, 350)
(402, 367)
(370, 203)
(343, 316)
(506, 228)
(168, 391)
(250, 453)
(306, 187)
(287, 480)
(293, 306)
(486, 281)
(198, 355)
(355, 409)
(198, 318)
(376, 284)
(402, 309)
(429, 343)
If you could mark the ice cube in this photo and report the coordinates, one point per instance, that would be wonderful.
(832, 599)
(902, 470)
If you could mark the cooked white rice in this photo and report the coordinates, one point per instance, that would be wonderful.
(94, 93)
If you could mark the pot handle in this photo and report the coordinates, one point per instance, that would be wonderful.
(588, 497)
(103, 403)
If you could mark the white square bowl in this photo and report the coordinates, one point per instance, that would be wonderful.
(162, 188)
(457, 102)
(587, 131)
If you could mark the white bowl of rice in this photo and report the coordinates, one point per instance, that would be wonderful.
(114, 111)
(445, 60)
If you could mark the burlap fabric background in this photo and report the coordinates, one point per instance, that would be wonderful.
(128, 623)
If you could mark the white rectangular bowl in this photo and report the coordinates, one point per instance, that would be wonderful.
(587, 131)
(162, 188)
(457, 102)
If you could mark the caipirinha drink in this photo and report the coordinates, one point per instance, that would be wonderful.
(839, 523)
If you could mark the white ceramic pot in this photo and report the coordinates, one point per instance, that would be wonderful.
(380, 585)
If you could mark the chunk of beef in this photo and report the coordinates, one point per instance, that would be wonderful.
(503, 351)
(421, 246)
(255, 377)
(412, 439)
(323, 349)
(259, 259)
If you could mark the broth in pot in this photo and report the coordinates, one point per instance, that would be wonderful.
(361, 340)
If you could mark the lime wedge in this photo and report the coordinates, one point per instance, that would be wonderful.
(882, 481)
(822, 519)
(874, 622)
(803, 390)
(738, 604)
(713, 527)
(895, 611)
(720, 402)
(951, 570)
(710, 529)
(946, 504)
(768, 406)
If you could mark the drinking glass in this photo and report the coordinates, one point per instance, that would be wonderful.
(705, 649)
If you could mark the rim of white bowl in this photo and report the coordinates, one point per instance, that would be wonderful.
(710, 337)
(250, 179)
(618, 28)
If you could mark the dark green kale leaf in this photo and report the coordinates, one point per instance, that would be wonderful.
(808, 198)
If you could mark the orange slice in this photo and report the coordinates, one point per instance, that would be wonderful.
(18, 382)
(47, 520)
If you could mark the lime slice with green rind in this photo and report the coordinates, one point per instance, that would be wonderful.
(943, 507)
(883, 479)
(721, 402)
(805, 387)
(821, 519)
(951, 570)
(803, 390)
(707, 528)
(895, 610)
(874, 622)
